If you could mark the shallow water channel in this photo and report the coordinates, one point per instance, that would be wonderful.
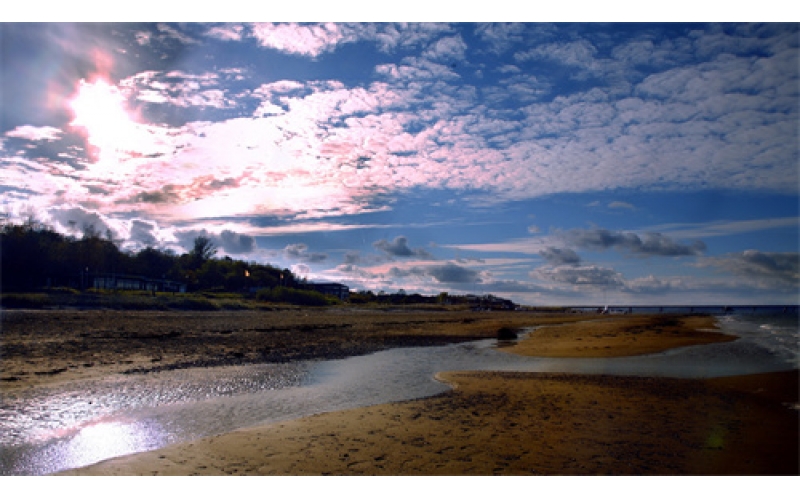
(45, 431)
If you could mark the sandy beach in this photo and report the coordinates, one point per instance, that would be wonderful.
(516, 424)
(619, 336)
(528, 424)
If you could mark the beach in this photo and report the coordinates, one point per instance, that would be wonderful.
(516, 424)
(502, 423)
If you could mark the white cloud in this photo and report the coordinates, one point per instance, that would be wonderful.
(168, 31)
(307, 40)
(530, 246)
(447, 48)
(31, 133)
(502, 36)
(231, 32)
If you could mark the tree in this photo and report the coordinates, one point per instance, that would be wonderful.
(203, 250)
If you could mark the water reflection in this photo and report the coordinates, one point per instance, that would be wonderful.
(100, 440)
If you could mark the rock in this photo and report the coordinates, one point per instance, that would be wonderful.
(505, 333)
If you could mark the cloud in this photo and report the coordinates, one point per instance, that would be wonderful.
(234, 243)
(452, 273)
(308, 40)
(651, 244)
(767, 269)
(74, 220)
(230, 32)
(530, 246)
(178, 88)
(31, 133)
(560, 256)
(652, 285)
(502, 36)
(399, 248)
(447, 48)
(299, 251)
(226, 240)
(621, 205)
(352, 257)
(580, 275)
(725, 227)
(143, 233)
(579, 53)
(445, 273)
(168, 31)
(301, 270)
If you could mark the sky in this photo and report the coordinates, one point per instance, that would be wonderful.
(549, 163)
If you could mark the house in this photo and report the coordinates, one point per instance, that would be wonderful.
(342, 292)
(128, 282)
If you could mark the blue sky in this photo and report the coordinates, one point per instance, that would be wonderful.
(566, 163)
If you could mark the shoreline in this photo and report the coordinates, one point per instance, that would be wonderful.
(647, 425)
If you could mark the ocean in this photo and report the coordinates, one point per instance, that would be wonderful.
(770, 328)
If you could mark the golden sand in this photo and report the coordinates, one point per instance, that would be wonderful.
(620, 336)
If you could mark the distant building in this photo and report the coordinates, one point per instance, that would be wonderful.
(342, 292)
(490, 302)
(127, 282)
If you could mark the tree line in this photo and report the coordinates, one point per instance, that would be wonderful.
(35, 256)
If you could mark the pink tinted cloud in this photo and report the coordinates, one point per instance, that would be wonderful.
(299, 39)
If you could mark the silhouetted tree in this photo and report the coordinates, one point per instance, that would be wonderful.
(203, 250)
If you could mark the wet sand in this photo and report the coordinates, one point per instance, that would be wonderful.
(517, 424)
(522, 424)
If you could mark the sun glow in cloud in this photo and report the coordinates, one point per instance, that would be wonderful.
(111, 130)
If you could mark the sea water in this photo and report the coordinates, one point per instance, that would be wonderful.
(48, 430)
(778, 333)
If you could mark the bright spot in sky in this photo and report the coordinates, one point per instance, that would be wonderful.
(99, 108)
